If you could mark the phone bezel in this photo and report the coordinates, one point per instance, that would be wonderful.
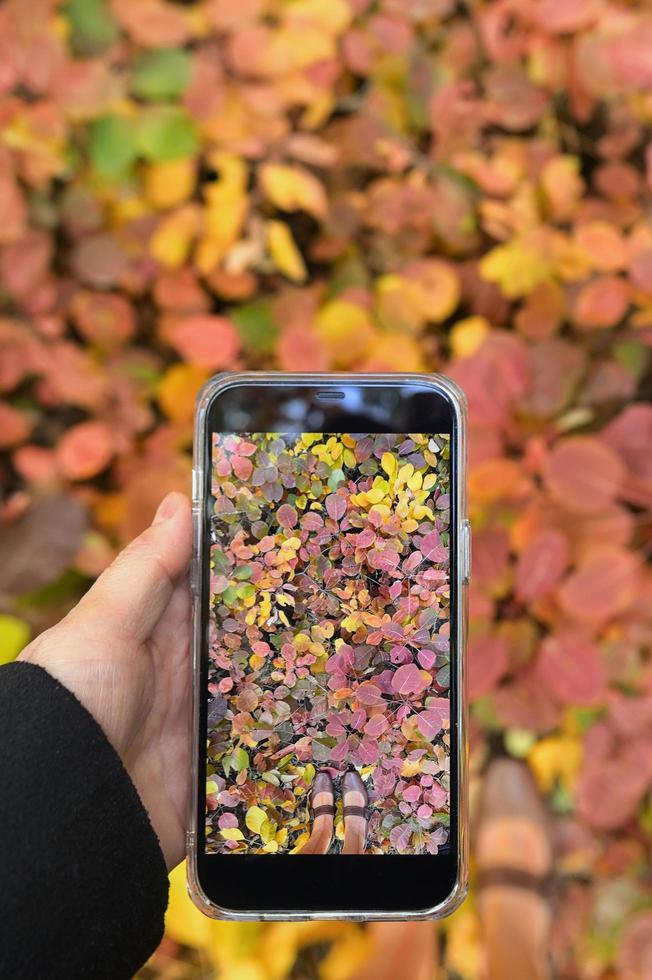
(385, 877)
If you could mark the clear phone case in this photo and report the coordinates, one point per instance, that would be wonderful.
(456, 396)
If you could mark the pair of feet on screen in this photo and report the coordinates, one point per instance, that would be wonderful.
(322, 805)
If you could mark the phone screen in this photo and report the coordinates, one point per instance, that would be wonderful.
(330, 625)
(329, 638)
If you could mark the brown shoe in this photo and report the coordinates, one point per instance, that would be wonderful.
(514, 859)
(355, 800)
(322, 810)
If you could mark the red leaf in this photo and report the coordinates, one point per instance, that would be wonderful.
(487, 664)
(583, 475)
(85, 450)
(572, 669)
(207, 340)
(603, 586)
(541, 564)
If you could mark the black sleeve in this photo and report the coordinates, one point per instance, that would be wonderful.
(82, 876)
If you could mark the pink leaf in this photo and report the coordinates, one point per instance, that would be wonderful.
(286, 516)
(369, 694)
(572, 669)
(408, 679)
(432, 548)
(487, 664)
(335, 506)
(376, 726)
(430, 722)
(427, 659)
(368, 752)
(541, 564)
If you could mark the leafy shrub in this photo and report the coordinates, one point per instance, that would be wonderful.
(188, 187)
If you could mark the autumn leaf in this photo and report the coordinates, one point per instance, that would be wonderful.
(284, 252)
(293, 188)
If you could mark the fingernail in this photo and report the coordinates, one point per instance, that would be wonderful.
(166, 509)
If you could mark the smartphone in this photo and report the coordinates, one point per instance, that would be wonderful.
(331, 560)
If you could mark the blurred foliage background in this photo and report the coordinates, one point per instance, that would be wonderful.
(187, 187)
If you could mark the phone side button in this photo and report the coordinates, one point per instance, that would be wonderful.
(466, 552)
(196, 484)
(194, 576)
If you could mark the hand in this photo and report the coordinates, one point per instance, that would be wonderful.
(124, 652)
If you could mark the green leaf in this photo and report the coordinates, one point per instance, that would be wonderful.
(14, 635)
(256, 326)
(113, 146)
(336, 477)
(240, 760)
(634, 356)
(93, 28)
(246, 591)
(161, 75)
(167, 133)
(243, 573)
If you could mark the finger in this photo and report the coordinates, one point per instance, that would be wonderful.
(134, 591)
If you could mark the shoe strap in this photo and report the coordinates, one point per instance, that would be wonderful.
(354, 811)
(325, 808)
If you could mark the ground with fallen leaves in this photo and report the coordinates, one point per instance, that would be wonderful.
(329, 645)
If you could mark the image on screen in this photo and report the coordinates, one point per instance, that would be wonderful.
(328, 640)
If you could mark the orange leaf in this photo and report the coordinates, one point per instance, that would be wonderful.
(583, 475)
(85, 450)
(178, 389)
(206, 340)
(602, 303)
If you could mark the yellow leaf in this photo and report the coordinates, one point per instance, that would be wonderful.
(255, 818)
(177, 391)
(329, 16)
(394, 351)
(346, 956)
(410, 768)
(171, 242)
(554, 759)
(232, 833)
(388, 463)
(398, 303)
(184, 923)
(284, 252)
(346, 330)
(293, 188)
(468, 335)
(518, 266)
(14, 635)
(169, 183)
(227, 204)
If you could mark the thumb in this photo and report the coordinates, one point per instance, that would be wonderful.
(134, 591)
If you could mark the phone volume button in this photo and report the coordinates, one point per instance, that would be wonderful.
(194, 576)
(196, 485)
(466, 552)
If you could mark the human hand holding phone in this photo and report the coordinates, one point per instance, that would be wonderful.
(123, 651)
